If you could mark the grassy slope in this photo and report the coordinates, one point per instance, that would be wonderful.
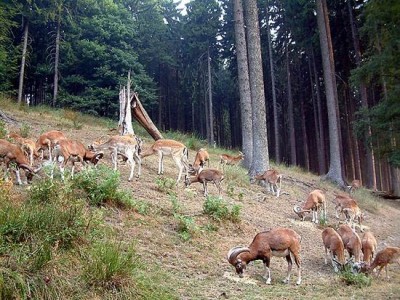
(197, 269)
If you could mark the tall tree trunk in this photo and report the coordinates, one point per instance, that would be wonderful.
(244, 84)
(274, 103)
(335, 165)
(371, 177)
(56, 62)
(305, 136)
(322, 145)
(23, 60)
(210, 101)
(260, 161)
(292, 136)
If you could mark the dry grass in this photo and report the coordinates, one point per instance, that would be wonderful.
(197, 268)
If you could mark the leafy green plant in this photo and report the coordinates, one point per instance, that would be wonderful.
(186, 226)
(3, 129)
(109, 264)
(24, 130)
(74, 117)
(165, 184)
(101, 185)
(218, 209)
(358, 279)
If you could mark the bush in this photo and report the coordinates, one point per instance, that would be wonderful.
(218, 210)
(3, 129)
(187, 227)
(100, 186)
(109, 265)
(358, 279)
(165, 184)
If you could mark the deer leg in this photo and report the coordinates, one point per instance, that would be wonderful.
(289, 261)
(160, 163)
(205, 188)
(267, 274)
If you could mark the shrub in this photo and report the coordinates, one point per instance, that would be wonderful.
(3, 129)
(109, 265)
(165, 184)
(187, 227)
(218, 209)
(24, 130)
(358, 279)
(100, 186)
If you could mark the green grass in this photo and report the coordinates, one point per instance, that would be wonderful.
(366, 200)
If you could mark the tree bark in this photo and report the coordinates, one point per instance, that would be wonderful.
(143, 118)
(56, 62)
(371, 179)
(274, 102)
(335, 166)
(244, 84)
(292, 136)
(23, 61)
(260, 161)
(210, 102)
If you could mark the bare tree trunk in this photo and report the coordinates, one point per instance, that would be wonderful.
(143, 118)
(322, 145)
(292, 139)
(371, 177)
(305, 136)
(210, 105)
(244, 84)
(56, 62)
(23, 61)
(274, 102)
(335, 167)
(260, 161)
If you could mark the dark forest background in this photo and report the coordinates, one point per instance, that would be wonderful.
(76, 54)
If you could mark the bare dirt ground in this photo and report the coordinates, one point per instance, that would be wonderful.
(198, 269)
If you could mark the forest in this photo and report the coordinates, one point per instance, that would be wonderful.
(325, 97)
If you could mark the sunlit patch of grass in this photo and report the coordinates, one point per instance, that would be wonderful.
(236, 176)
(366, 200)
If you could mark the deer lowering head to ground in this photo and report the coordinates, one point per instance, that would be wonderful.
(27, 145)
(281, 242)
(369, 245)
(351, 241)
(207, 175)
(177, 150)
(74, 151)
(10, 153)
(315, 201)
(334, 244)
(349, 207)
(230, 160)
(273, 179)
(383, 258)
(201, 158)
(47, 141)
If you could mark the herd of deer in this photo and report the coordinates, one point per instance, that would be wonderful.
(282, 242)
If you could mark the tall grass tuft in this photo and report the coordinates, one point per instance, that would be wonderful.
(109, 264)
(366, 200)
(100, 186)
(218, 210)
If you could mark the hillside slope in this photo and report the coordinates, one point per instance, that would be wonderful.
(197, 268)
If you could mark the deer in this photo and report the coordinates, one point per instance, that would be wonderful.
(204, 176)
(10, 153)
(175, 149)
(274, 180)
(126, 145)
(280, 241)
(314, 202)
(230, 160)
(355, 185)
(27, 145)
(47, 141)
(201, 158)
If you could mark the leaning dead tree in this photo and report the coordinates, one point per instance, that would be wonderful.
(130, 101)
